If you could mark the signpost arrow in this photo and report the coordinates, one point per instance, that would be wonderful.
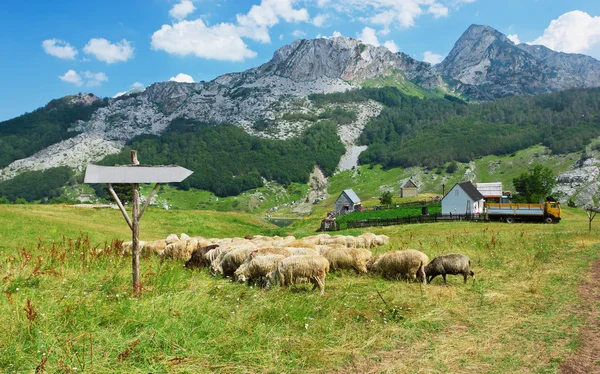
(135, 174)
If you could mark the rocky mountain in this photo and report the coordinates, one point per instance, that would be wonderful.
(264, 93)
(485, 65)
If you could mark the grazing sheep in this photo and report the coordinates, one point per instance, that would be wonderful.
(291, 269)
(172, 238)
(270, 251)
(409, 263)
(257, 267)
(454, 264)
(156, 247)
(348, 258)
(297, 251)
(382, 240)
(198, 259)
(232, 260)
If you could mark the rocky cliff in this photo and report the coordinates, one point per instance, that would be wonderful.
(485, 65)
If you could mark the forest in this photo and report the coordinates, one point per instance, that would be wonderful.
(227, 161)
(408, 132)
(431, 132)
(25, 135)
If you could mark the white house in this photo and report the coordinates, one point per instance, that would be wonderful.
(463, 198)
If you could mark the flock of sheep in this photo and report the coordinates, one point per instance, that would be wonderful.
(288, 261)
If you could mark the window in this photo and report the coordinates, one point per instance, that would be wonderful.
(456, 192)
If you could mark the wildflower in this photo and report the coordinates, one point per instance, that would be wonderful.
(306, 326)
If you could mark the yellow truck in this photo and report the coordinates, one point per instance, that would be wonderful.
(547, 211)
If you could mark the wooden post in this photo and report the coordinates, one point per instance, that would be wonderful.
(135, 231)
(591, 213)
(135, 174)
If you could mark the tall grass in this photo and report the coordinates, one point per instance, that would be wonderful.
(67, 304)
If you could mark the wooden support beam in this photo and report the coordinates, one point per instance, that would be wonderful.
(118, 201)
(148, 200)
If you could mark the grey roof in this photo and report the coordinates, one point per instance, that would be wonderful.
(352, 196)
(404, 182)
(471, 191)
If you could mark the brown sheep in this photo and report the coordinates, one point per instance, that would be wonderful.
(198, 259)
(453, 263)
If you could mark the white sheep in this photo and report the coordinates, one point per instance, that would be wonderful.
(290, 270)
(348, 258)
(232, 260)
(257, 267)
(409, 263)
(298, 251)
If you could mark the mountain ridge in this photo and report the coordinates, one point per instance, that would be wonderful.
(482, 66)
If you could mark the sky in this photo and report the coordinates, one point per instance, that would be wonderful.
(50, 49)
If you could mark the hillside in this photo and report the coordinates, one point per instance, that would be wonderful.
(387, 109)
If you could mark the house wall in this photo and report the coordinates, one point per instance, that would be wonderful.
(455, 202)
(341, 201)
(408, 192)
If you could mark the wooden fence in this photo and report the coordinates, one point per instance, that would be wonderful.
(403, 221)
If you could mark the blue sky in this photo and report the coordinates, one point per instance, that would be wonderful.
(55, 48)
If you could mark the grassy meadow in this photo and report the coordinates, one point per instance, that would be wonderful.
(67, 306)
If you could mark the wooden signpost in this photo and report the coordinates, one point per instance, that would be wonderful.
(135, 174)
(591, 212)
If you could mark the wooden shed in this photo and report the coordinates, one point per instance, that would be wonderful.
(408, 188)
(463, 198)
(347, 202)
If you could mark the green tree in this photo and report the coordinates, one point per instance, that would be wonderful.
(386, 198)
(535, 185)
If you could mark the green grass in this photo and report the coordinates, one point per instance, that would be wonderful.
(398, 80)
(518, 316)
(402, 211)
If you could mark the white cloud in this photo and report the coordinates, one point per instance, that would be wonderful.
(298, 33)
(94, 79)
(319, 20)
(572, 32)
(336, 33)
(137, 85)
(388, 13)
(91, 79)
(438, 10)
(110, 53)
(120, 94)
(256, 23)
(219, 42)
(182, 9)
(182, 78)
(391, 45)
(224, 41)
(432, 58)
(514, 38)
(368, 36)
(71, 76)
(59, 48)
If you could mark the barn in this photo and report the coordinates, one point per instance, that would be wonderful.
(408, 188)
(463, 198)
(347, 202)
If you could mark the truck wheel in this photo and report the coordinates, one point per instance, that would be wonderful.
(509, 219)
(548, 220)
